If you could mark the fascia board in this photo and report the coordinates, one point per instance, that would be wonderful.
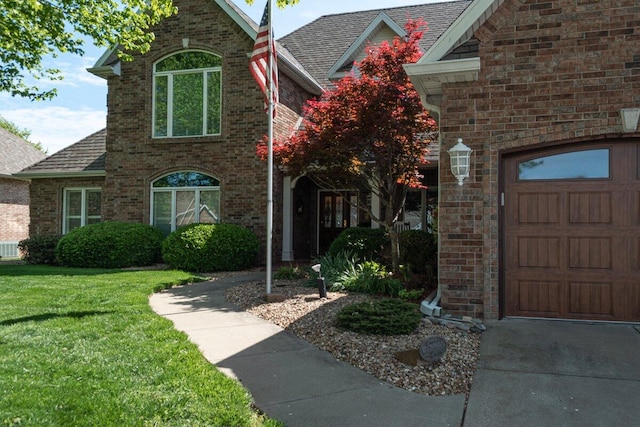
(54, 174)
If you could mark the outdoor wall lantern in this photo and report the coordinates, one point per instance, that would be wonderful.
(460, 156)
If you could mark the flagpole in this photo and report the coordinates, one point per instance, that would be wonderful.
(270, 154)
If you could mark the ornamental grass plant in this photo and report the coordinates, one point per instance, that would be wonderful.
(82, 347)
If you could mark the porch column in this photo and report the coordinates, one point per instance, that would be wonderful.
(375, 209)
(287, 220)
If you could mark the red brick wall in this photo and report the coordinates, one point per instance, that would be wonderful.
(552, 71)
(134, 159)
(46, 202)
(14, 209)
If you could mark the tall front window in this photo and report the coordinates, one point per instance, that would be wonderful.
(82, 206)
(183, 198)
(187, 95)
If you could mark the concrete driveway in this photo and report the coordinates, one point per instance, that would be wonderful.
(556, 373)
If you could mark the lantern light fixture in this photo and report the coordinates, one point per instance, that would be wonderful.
(460, 156)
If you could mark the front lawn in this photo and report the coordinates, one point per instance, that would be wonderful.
(82, 347)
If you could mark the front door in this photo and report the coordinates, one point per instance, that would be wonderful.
(336, 212)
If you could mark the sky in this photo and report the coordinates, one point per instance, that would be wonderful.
(80, 107)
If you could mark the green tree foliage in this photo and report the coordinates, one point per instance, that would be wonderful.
(31, 30)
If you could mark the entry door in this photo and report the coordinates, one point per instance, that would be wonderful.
(571, 239)
(336, 212)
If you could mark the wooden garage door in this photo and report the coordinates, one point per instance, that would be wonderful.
(571, 233)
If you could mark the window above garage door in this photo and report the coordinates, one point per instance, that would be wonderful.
(584, 164)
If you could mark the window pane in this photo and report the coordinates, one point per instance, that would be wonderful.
(209, 207)
(213, 103)
(188, 61)
(160, 113)
(94, 204)
(587, 164)
(185, 207)
(162, 211)
(73, 223)
(74, 203)
(187, 104)
(339, 208)
(186, 179)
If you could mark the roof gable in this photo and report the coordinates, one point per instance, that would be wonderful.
(17, 153)
(380, 29)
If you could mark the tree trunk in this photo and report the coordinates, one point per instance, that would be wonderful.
(395, 251)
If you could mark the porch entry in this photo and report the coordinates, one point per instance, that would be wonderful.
(337, 210)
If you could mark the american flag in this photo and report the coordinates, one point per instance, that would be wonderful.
(259, 62)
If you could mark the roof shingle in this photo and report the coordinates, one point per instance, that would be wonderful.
(16, 153)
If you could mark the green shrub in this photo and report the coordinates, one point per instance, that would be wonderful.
(211, 247)
(332, 267)
(418, 251)
(289, 273)
(369, 277)
(110, 245)
(39, 249)
(362, 243)
(380, 317)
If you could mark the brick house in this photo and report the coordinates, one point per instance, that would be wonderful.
(158, 162)
(17, 154)
(547, 224)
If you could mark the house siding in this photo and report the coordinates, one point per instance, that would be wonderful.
(551, 72)
(135, 159)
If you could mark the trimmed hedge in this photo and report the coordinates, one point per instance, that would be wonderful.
(211, 247)
(39, 249)
(111, 245)
(380, 317)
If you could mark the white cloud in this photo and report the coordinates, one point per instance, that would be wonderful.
(56, 127)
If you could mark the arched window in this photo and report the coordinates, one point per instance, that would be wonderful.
(187, 95)
(183, 198)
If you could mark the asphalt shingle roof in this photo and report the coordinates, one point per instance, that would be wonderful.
(16, 153)
(86, 155)
(319, 44)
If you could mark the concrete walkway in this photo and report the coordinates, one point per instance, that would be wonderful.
(530, 373)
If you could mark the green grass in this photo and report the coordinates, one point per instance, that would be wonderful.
(82, 347)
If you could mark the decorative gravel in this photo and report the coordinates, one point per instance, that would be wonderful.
(311, 318)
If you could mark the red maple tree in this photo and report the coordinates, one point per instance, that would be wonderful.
(370, 132)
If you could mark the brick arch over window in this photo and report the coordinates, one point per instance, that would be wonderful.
(184, 197)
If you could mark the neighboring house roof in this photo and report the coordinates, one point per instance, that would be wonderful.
(17, 153)
(84, 158)
(331, 43)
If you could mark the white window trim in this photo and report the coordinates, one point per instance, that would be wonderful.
(169, 75)
(83, 205)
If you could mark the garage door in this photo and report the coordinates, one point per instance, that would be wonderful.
(571, 233)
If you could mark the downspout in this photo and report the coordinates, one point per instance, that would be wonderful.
(430, 305)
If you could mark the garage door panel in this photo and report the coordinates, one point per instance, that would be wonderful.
(538, 208)
(538, 252)
(591, 299)
(590, 252)
(590, 208)
(539, 298)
